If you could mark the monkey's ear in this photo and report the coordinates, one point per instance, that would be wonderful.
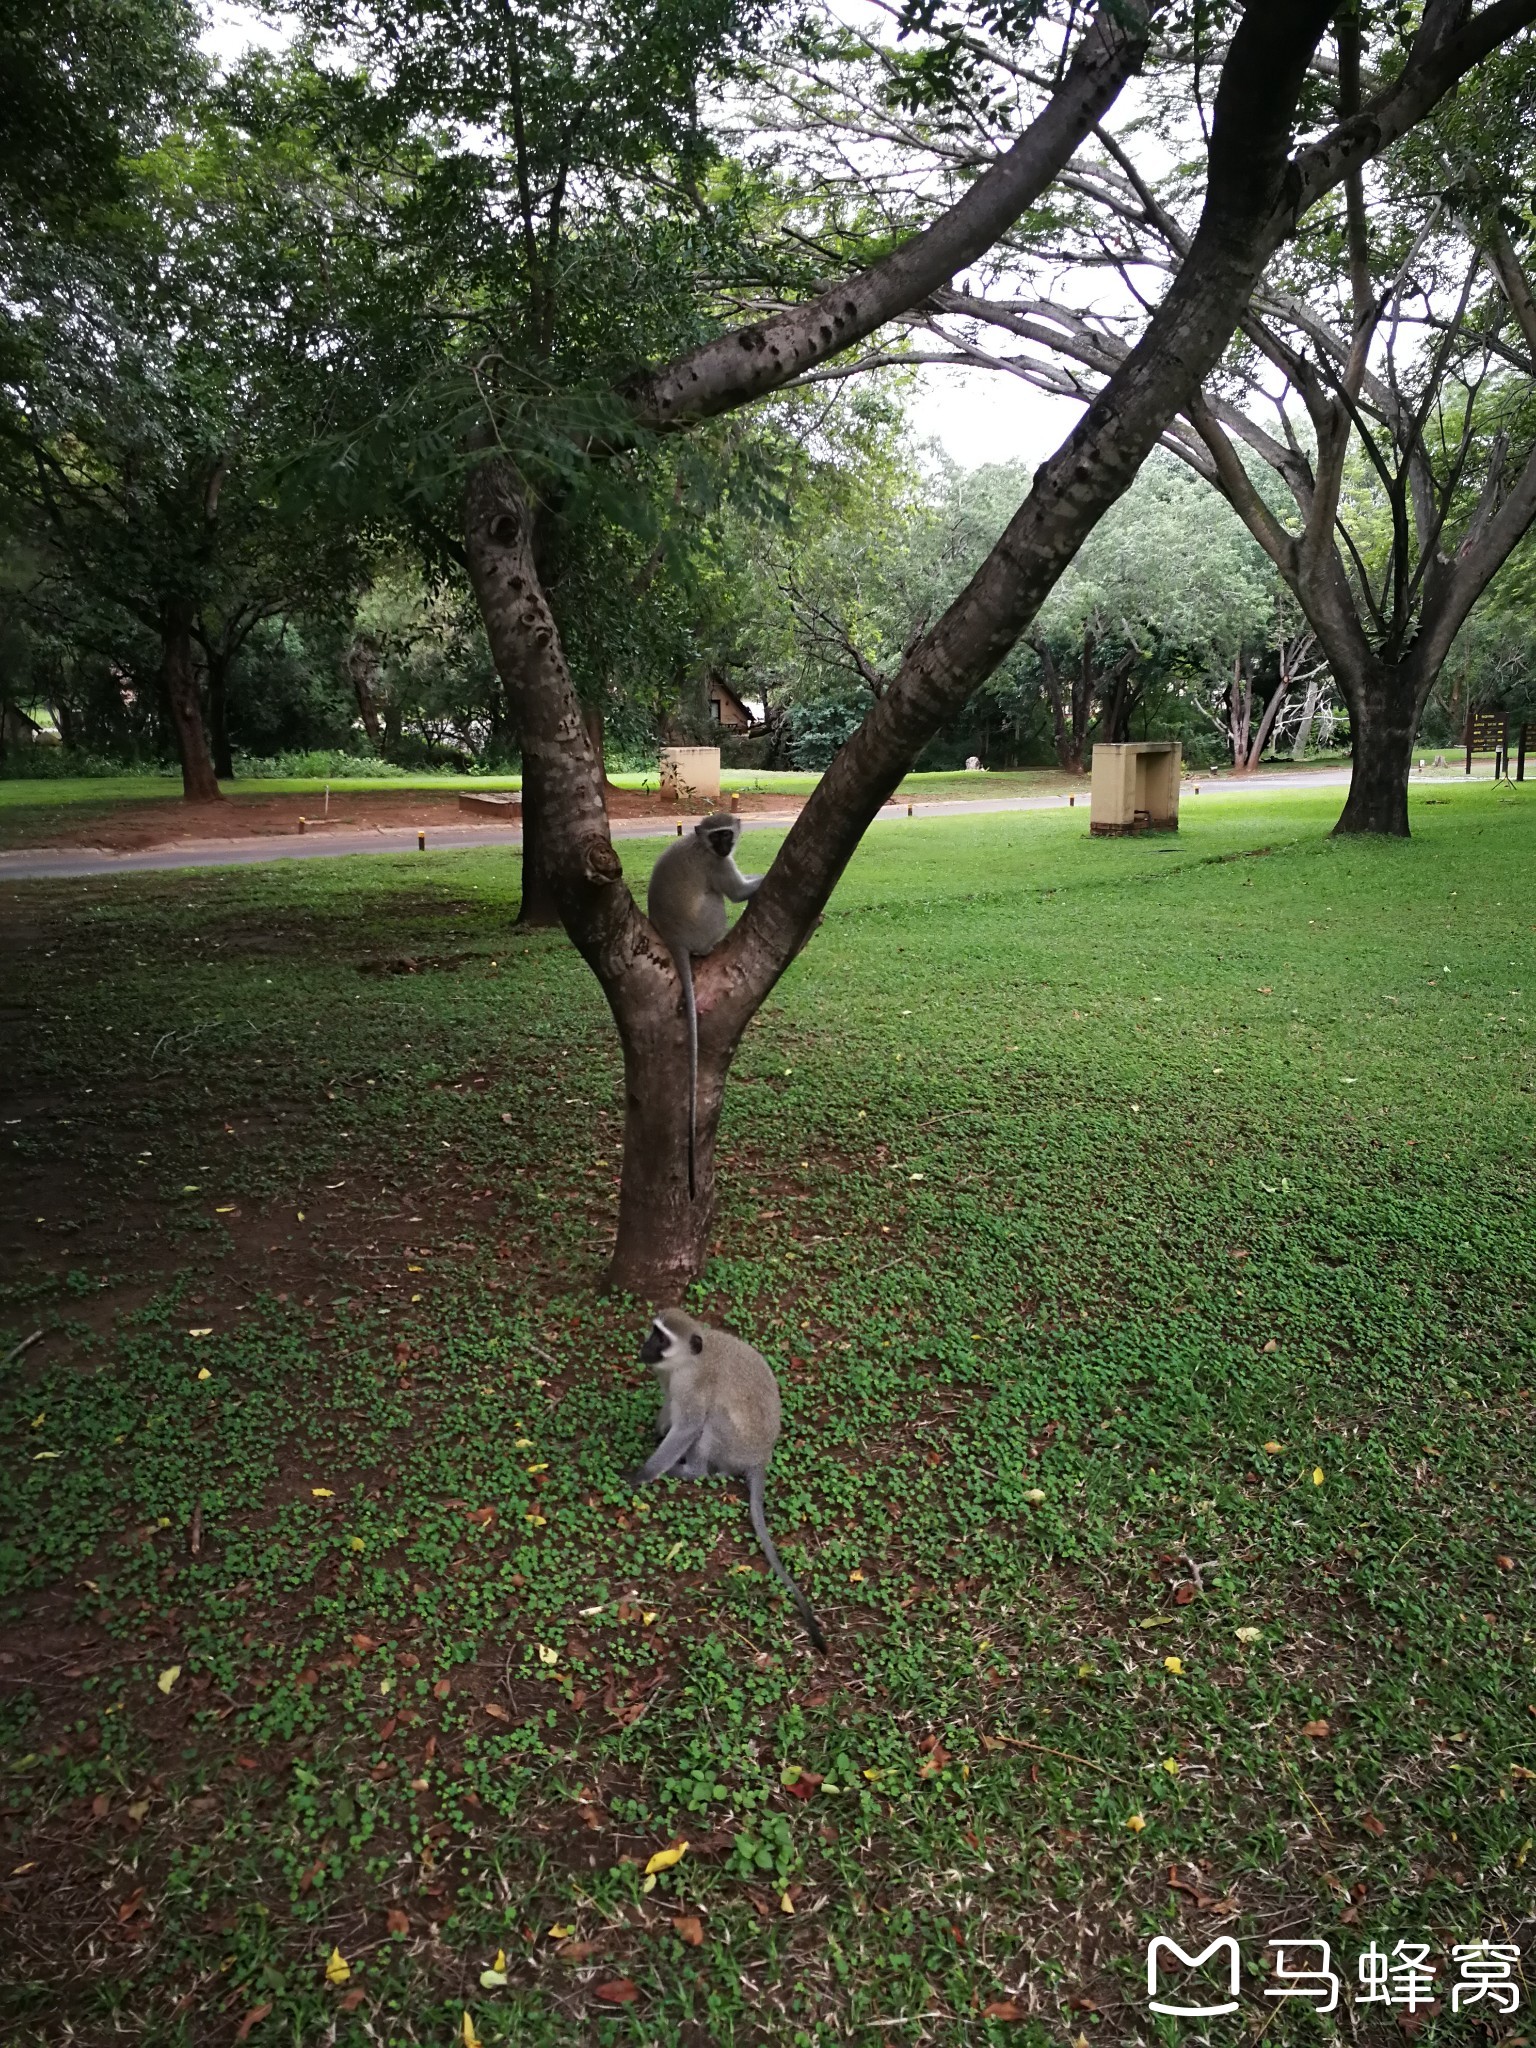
(696, 1342)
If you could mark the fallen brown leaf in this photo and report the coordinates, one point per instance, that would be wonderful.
(1003, 2009)
(253, 2018)
(397, 1920)
(353, 1999)
(1372, 1825)
(690, 1929)
(496, 1711)
(1316, 1729)
(618, 1991)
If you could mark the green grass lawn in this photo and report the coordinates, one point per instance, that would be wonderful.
(1143, 1234)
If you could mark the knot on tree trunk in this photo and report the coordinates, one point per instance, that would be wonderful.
(599, 861)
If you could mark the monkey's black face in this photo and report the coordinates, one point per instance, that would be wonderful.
(651, 1349)
(722, 843)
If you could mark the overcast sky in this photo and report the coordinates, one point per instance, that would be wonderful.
(976, 416)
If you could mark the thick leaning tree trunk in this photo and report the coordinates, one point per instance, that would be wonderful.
(178, 671)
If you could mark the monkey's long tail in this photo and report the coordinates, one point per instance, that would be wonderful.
(755, 1507)
(685, 976)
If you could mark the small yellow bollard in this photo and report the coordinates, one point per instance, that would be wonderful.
(679, 830)
(1071, 803)
(303, 825)
(735, 804)
(909, 810)
(421, 842)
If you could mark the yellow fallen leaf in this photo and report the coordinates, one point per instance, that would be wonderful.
(1035, 1495)
(36, 1455)
(203, 1373)
(138, 1809)
(874, 1773)
(470, 2037)
(357, 1543)
(300, 1214)
(501, 1960)
(648, 1617)
(1135, 1823)
(192, 1187)
(786, 1903)
(168, 1677)
(1248, 1635)
(492, 1980)
(537, 1468)
(647, 1884)
(415, 1269)
(536, 1521)
(338, 1970)
(206, 1331)
(1317, 1475)
(323, 1492)
(227, 1209)
(39, 1419)
(548, 1656)
(1171, 1766)
(1272, 1447)
(855, 1578)
(559, 1933)
(522, 1443)
(1175, 1665)
(665, 1858)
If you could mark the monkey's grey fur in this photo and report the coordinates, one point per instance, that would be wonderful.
(690, 887)
(719, 1413)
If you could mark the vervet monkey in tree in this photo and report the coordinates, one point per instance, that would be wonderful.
(720, 1412)
(690, 887)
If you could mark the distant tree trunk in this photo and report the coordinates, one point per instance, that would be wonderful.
(592, 719)
(362, 665)
(538, 908)
(218, 716)
(1308, 713)
(178, 675)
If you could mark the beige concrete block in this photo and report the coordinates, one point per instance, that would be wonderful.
(502, 804)
(690, 775)
(1136, 788)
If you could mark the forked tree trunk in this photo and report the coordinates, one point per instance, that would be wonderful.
(663, 1237)
(178, 671)
(1383, 719)
(1252, 197)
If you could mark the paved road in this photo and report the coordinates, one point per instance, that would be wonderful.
(38, 863)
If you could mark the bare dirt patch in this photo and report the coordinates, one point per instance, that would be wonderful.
(135, 827)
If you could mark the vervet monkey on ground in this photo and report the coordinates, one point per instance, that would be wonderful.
(690, 887)
(720, 1412)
